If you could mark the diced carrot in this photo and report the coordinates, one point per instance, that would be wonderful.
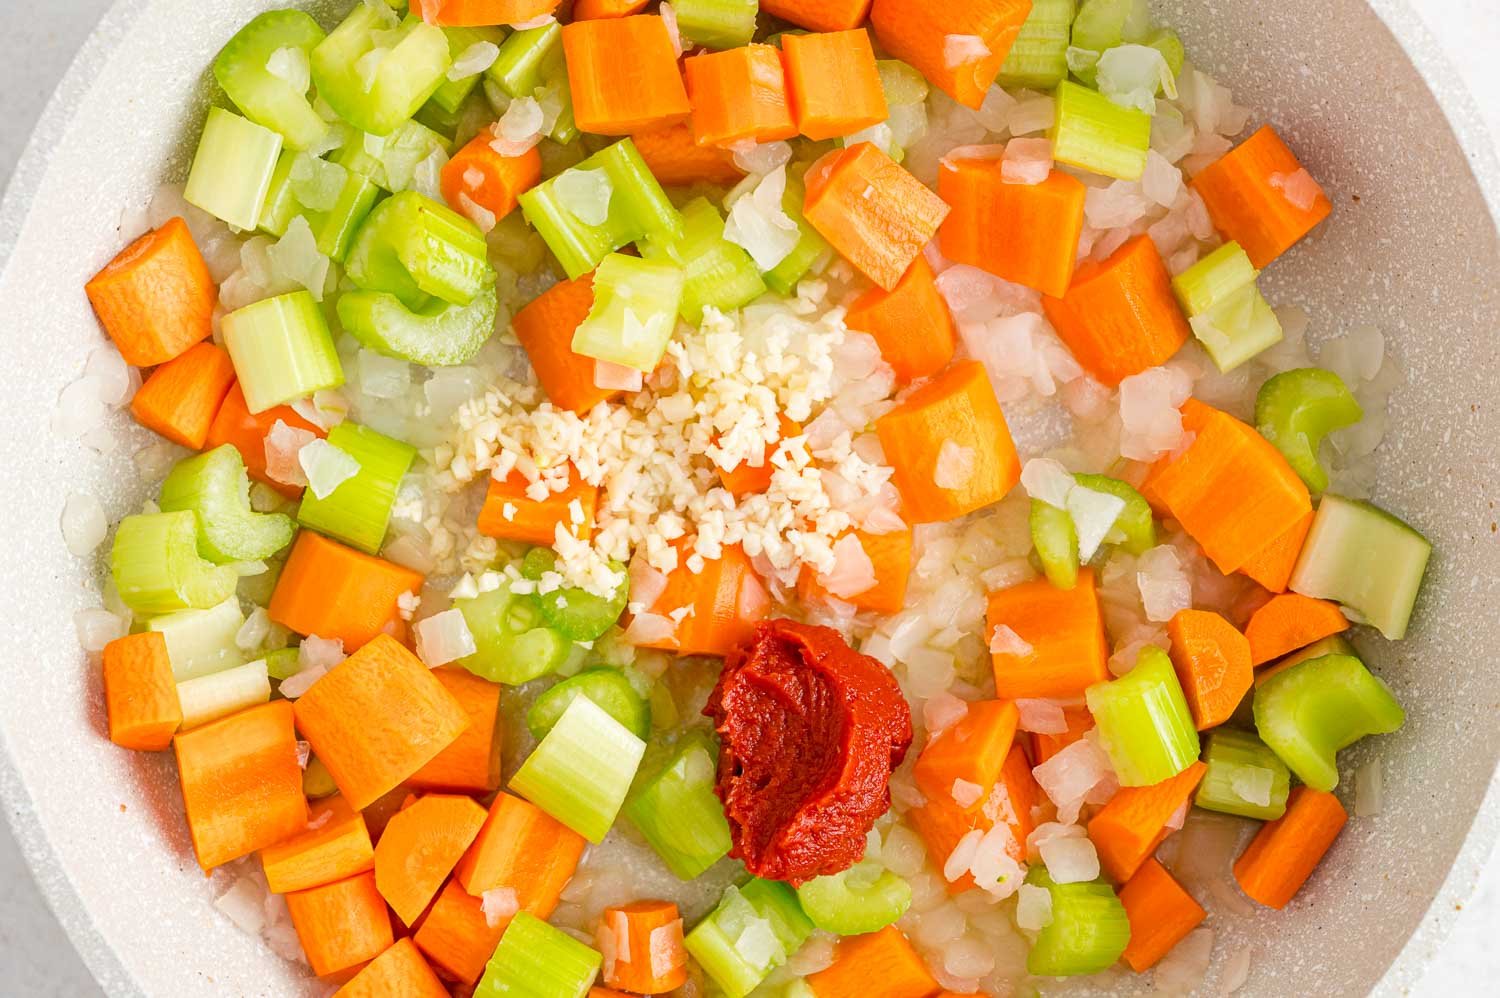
(1284, 853)
(334, 591)
(157, 297)
(1212, 659)
(140, 693)
(376, 718)
(834, 85)
(589, 10)
(739, 95)
(478, 175)
(1291, 621)
(747, 479)
(472, 763)
(1247, 194)
(942, 823)
(879, 965)
(972, 751)
(522, 848)
(1044, 746)
(676, 159)
(1065, 630)
(511, 514)
(713, 610)
(911, 323)
(872, 211)
(1119, 317)
(241, 783)
(455, 935)
(890, 555)
(623, 74)
(598, 992)
(918, 32)
(819, 15)
(1134, 822)
(335, 845)
(545, 328)
(342, 926)
(1024, 233)
(646, 937)
(1230, 489)
(1161, 914)
(1272, 565)
(399, 972)
(481, 13)
(181, 398)
(420, 846)
(1024, 795)
(236, 424)
(950, 446)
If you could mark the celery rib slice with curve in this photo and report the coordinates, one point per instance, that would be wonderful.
(261, 68)
(1366, 560)
(157, 568)
(412, 247)
(216, 486)
(677, 810)
(435, 335)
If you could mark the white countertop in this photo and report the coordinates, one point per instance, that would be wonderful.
(37, 42)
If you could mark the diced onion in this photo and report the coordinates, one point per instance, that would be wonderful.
(498, 904)
(83, 524)
(1070, 860)
(1033, 908)
(326, 466)
(443, 638)
(1044, 717)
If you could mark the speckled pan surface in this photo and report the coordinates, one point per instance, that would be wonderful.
(1412, 249)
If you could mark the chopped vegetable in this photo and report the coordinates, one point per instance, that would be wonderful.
(244, 68)
(716, 272)
(1228, 314)
(922, 34)
(1064, 630)
(181, 397)
(890, 557)
(1295, 410)
(208, 698)
(419, 848)
(334, 846)
(676, 809)
(400, 970)
(607, 688)
(341, 925)
(545, 328)
(713, 610)
(645, 941)
(1056, 542)
(216, 489)
(140, 695)
(819, 15)
(1213, 662)
(1284, 853)
(1088, 932)
(412, 247)
(339, 593)
(623, 74)
(1244, 777)
(232, 168)
(202, 642)
(910, 322)
(1365, 559)
(513, 645)
(1247, 197)
(832, 82)
(1038, 57)
(282, 350)
(471, 763)
(522, 849)
(987, 210)
(972, 751)
(576, 614)
(358, 510)
(1127, 830)
(236, 425)
(1161, 914)
(716, 24)
(534, 960)
(1094, 133)
(739, 95)
(376, 76)
(156, 298)
(511, 513)
(1272, 566)
(457, 937)
(157, 569)
(484, 177)
(1134, 529)
(581, 770)
(674, 158)
(1288, 622)
(1144, 724)
(855, 902)
(754, 930)
(473, 13)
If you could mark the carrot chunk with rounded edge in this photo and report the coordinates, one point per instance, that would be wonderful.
(713, 610)
(1272, 565)
(181, 398)
(376, 718)
(589, 10)
(942, 823)
(1161, 915)
(747, 479)
(677, 160)
(522, 848)
(1284, 853)
(157, 297)
(1065, 630)
(819, 15)
(140, 693)
(399, 972)
(1248, 192)
(511, 514)
(972, 751)
(335, 845)
(456, 936)
(918, 32)
(739, 95)
(876, 214)
(481, 13)
(472, 763)
(910, 323)
(1024, 233)
(1291, 621)
(420, 846)
(950, 446)
(879, 965)
(834, 85)
(623, 74)
(1212, 659)
(1127, 830)
(342, 926)
(545, 328)
(647, 941)
(890, 556)
(236, 424)
(241, 783)
(1119, 316)
(334, 591)
(478, 175)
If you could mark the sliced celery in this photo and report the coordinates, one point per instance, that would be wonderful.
(1144, 724)
(247, 70)
(1334, 644)
(1103, 24)
(283, 663)
(281, 201)
(864, 898)
(580, 772)
(201, 642)
(1307, 713)
(717, 272)
(156, 567)
(1039, 56)
(1134, 529)
(1169, 45)
(677, 810)
(1240, 764)
(208, 698)
(412, 247)
(1238, 328)
(607, 688)
(215, 486)
(513, 645)
(375, 76)
(436, 335)
(390, 162)
(635, 310)
(451, 95)
(810, 247)
(717, 24)
(1094, 133)
(333, 226)
(518, 70)
(1088, 932)
(1295, 410)
(576, 614)
(1366, 559)
(232, 168)
(1056, 542)
(534, 960)
(359, 510)
(753, 931)
(282, 350)
(1214, 279)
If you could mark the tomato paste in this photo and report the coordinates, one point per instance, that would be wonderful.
(809, 732)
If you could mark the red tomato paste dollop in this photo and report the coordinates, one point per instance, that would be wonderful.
(809, 731)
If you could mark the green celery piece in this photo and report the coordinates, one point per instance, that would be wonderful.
(242, 69)
(534, 960)
(1144, 724)
(518, 70)
(607, 688)
(1214, 279)
(555, 81)
(215, 485)
(677, 810)
(582, 770)
(1307, 713)
(377, 91)
(390, 161)
(1233, 757)
(859, 900)
(1334, 644)
(232, 169)
(717, 24)
(777, 903)
(436, 335)
(1365, 559)
(513, 645)
(281, 204)
(1088, 932)
(1094, 133)
(441, 121)
(903, 86)
(359, 510)
(1295, 410)
(156, 567)
(201, 642)
(1167, 42)
(1038, 57)
(334, 227)
(1238, 328)
(283, 663)
(412, 247)
(718, 273)
(576, 614)
(751, 933)
(208, 698)
(317, 781)
(1056, 542)
(810, 247)
(282, 350)
(635, 310)
(451, 95)
(1103, 24)
(1134, 529)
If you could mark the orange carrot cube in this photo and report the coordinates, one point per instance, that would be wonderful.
(335, 845)
(236, 424)
(1127, 830)
(1212, 660)
(478, 175)
(819, 15)
(714, 610)
(676, 159)
(589, 10)
(885, 957)
(747, 479)
(1291, 621)
(972, 750)
(1065, 630)
(157, 297)
(933, 38)
(545, 328)
(510, 513)
(525, 849)
(1161, 914)
(1024, 233)
(334, 591)
(834, 85)
(456, 937)
(1259, 196)
(1284, 853)
(472, 763)
(623, 74)
(342, 926)
(911, 323)
(140, 693)
(399, 971)
(739, 95)
(1272, 565)
(419, 847)
(181, 398)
